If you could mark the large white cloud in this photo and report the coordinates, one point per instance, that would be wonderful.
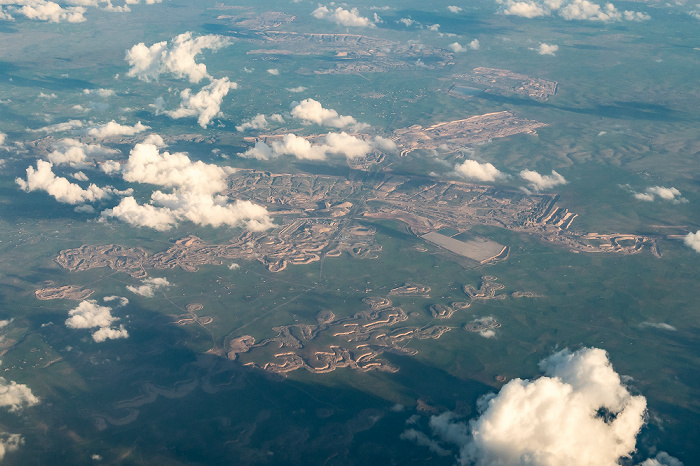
(195, 196)
(48, 11)
(89, 314)
(335, 143)
(43, 179)
(311, 111)
(693, 240)
(176, 57)
(569, 10)
(668, 194)
(342, 16)
(113, 128)
(539, 182)
(578, 414)
(478, 171)
(73, 152)
(205, 104)
(59, 127)
(15, 396)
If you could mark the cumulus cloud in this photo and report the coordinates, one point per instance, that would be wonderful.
(100, 92)
(15, 396)
(176, 57)
(259, 121)
(43, 179)
(335, 143)
(274, 71)
(194, 197)
(73, 152)
(540, 182)
(456, 47)
(547, 49)
(311, 111)
(582, 10)
(113, 128)
(475, 44)
(692, 240)
(579, 413)
(666, 194)
(662, 459)
(478, 171)
(48, 11)
(149, 286)
(342, 17)
(89, 314)
(205, 104)
(454, 9)
(296, 89)
(9, 442)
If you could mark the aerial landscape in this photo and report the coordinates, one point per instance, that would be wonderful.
(262, 232)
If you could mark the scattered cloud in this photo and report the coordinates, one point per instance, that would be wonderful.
(89, 314)
(454, 9)
(311, 111)
(423, 440)
(540, 182)
(259, 121)
(693, 240)
(547, 49)
(113, 128)
(296, 89)
(582, 10)
(579, 413)
(44, 10)
(662, 459)
(478, 171)
(176, 57)
(666, 194)
(100, 92)
(206, 104)
(59, 127)
(274, 71)
(43, 179)
(335, 143)
(149, 286)
(475, 44)
(342, 17)
(75, 153)
(408, 22)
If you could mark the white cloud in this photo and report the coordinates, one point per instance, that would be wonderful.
(146, 164)
(662, 459)
(456, 47)
(205, 104)
(408, 22)
(110, 167)
(113, 128)
(659, 325)
(84, 209)
(80, 176)
(342, 17)
(547, 49)
(234, 266)
(539, 182)
(259, 121)
(693, 240)
(15, 396)
(176, 57)
(122, 301)
(59, 127)
(43, 179)
(424, 441)
(100, 92)
(475, 44)
(335, 143)
(89, 314)
(311, 111)
(9, 442)
(667, 194)
(195, 186)
(149, 286)
(296, 89)
(582, 10)
(49, 11)
(478, 171)
(3, 137)
(577, 414)
(274, 71)
(454, 9)
(73, 152)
